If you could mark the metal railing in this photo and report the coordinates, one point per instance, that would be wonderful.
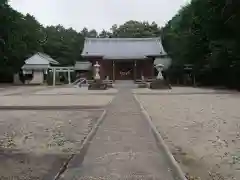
(83, 81)
(148, 80)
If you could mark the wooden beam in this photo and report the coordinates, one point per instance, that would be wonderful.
(57, 70)
(63, 68)
(113, 71)
(135, 70)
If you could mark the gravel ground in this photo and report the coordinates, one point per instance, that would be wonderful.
(20, 90)
(58, 96)
(55, 100)
(75, 91)
(201, 130)
(181, 90)
(34, 144)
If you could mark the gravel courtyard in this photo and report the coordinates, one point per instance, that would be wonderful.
(201, 128)
(74, 91)
(58, 96)
(36, 143)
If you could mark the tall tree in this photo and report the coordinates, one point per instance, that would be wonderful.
(63, 44)
(205, 34)
(92, 33)
(136, 29)
(105, 34)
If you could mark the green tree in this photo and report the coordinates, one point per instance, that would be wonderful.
(135, 29)
(92, 33)
(105, 34)
(62, 44)
(205, 34)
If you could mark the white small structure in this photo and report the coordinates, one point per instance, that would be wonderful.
(159, 68)
(83, 66)
(97, 70)
(37, 65)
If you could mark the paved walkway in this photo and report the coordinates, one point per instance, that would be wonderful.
(123, 147)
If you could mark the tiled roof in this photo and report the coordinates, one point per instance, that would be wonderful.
(51, 60)
(123, 48)
(40, 58)
(39, 61)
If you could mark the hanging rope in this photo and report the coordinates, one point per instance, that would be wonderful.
(125, 73)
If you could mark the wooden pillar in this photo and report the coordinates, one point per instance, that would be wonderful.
(54, 76)
(135, 70)
(69, 76)
(113, 71)
(194, 80)
(153, 68)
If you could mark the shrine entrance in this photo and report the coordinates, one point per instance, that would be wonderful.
(124, 70)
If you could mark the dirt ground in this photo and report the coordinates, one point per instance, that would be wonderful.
(201, 130)
(35, 144)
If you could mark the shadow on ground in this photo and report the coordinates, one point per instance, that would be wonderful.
(34, 145)
(29, 166)
(190, 93)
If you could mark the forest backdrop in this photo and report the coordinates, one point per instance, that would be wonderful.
(204, 33)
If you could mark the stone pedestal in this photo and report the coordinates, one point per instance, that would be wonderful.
(160, 84)
(97, 85)
(143, 85)
(110, 85)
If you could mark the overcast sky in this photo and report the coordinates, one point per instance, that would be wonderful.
(98, 14)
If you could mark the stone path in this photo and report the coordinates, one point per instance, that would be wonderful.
(123, 147)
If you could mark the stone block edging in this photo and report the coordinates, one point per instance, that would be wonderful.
(176, 168)
(84, 145)
(50, 108)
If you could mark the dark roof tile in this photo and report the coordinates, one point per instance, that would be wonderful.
(123, 48)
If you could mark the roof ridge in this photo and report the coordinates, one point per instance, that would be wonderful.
(124, 39)
(42, 54)
(47, 57)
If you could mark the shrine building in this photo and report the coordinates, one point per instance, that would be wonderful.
(124, 58)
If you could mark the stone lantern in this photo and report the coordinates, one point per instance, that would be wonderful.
(159, 68)
(97, 84)
(159, 82)
(97, 71)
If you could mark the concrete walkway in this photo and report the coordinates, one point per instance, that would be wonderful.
(123, 147)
